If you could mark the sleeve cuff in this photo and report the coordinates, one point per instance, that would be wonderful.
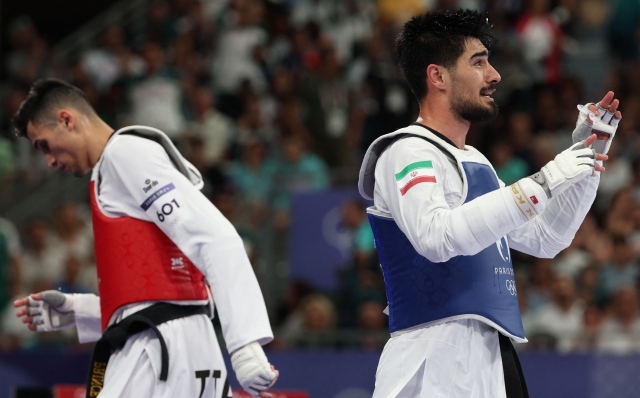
(88, 320)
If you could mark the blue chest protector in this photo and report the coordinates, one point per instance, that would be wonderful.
(419, 291)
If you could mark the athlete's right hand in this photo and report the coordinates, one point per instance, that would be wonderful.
(46, 311)
(569, 167)
(253, 370)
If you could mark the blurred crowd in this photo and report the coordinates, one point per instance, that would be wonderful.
(270, 98)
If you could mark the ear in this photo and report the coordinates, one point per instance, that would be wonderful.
(66, 119)
(437, 77)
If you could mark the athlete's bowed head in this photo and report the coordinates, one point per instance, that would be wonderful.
(60, 122)
(183, 229)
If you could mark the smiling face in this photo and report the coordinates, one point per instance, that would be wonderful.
(472, 82)
(61, 143)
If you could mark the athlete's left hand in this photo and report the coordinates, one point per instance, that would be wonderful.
(601, 119)
(253, 370)
(46, 311)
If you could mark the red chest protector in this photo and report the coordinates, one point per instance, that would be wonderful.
(137, 262)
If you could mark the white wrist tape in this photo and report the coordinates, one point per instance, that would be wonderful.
(605, 123)
(530, 197)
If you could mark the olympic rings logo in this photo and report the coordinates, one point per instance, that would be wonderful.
(511, 287)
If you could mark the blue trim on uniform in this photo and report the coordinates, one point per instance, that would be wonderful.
(383, 260)
(156, 195)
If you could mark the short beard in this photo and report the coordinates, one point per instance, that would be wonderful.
(472, 112)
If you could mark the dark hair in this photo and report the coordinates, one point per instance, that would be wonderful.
(44, 98)
(438, 38)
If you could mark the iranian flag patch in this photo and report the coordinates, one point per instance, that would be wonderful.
(414, 174)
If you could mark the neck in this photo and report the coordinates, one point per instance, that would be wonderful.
(101, 132)
(437, 114)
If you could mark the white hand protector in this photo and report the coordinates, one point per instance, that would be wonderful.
(252, 369)
(606, 123)
(53, 312)
(568, 167)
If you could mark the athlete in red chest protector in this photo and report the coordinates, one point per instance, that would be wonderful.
(164, 254)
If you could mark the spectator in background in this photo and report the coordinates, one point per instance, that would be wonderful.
(562, 317)
(280, 90)
(520, 125)
(623, 30)
(328, 101)
(360, 282)
(72, 234)
(601, 249)
(549, 118)
(155, 99)
(200, 27)
(9, 146)
(161, 24)
(354, 217)
(253, 175)
(570, 93)
(374, 325)
(628, 132)
(215, 129)
(12, 272)
(587, 339)
(298, 171)
(574, 258)
(622, 271)
(620, 334)
(304, 55)
(352, 27)
(621, 176)
(29, 57)
(70, 281)
(361, 278)
(113, 60)
(541, 39)
(190, 65)
(311, 323)
(5, 271)
(317, 11)
(296, 291)
(8, 162)
(508, 167)
(618, 219)
(252, 122)
(526, 313)
(384, 99)
(28, 164)
(43, 260)
(539, 291)
(586, 52)
(588, 283)
(234, 60)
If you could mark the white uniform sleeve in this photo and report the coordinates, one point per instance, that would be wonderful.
(434, 229)
(554, 229)
(203, 234)
(86, 308)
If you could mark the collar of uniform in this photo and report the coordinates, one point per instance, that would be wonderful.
(437, 134)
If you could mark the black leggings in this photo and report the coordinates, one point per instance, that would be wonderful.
(514, 382)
